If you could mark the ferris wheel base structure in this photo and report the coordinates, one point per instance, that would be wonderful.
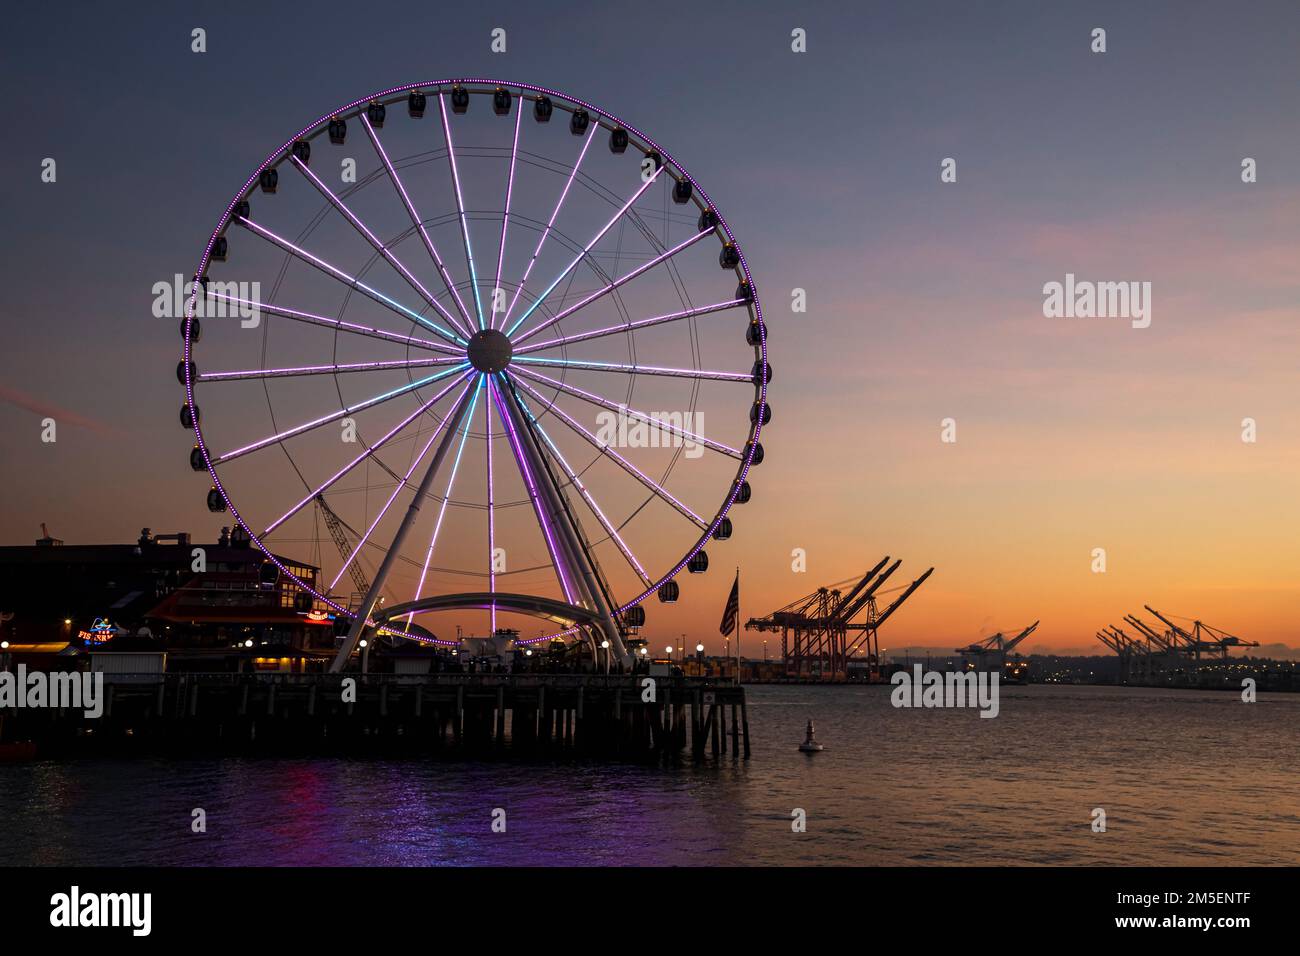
(572, 552)
(543, 608)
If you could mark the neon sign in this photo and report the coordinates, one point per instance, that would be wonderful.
(101, 632)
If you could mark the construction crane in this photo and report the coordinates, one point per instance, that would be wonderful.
(815, 628)
(335, 525)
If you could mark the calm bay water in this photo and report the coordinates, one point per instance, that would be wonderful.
(1185, 777)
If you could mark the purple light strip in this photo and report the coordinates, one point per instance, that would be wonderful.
(348, 280)
(532, 490)
(332, 417)
(547, 231)
(363, 456)
(370, 237)
(460, 208)
(501, 250)
(585, 249)
(626, 465)
(587, 497)
(492, 514)
(492, 571)
(548, 637)
(451, 481)
(365, 330)
(631, 326)
(327, 369)
(600, 293)
(396, 491)
(418, 223)
(630, 412)
(637, 369)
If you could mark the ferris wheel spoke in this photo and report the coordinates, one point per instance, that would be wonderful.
(396, 491)
(466, 328)
(501, 249)
(588, 497)
(329, 369)
(625, 369)
(368, 453)
(374, 241)
(335, 416)
(451, 484)
(539, 509)
(363, 330)
(650, 181)
(460, 208)
(632, 326)
(528, 270)
(618, 459)
(348, 280)
(610, 287)
(623, 409)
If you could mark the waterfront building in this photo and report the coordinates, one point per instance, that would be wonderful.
(236, 612)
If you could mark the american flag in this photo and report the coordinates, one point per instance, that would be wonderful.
(732, 610)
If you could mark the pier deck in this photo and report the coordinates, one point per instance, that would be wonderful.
(609, 717)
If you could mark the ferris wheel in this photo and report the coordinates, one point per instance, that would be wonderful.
(493, 344)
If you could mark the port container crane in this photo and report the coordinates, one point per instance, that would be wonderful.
(1204, 639)
(815, 628)
(997, 645)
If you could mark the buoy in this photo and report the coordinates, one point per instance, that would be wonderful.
(810, 744)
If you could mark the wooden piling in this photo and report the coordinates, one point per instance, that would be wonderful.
(744, 718)
(735, 733)
(501, 717)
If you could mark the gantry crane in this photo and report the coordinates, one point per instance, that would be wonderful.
(1203, 639)
(997, 645)
(815, 628)
(1176, 650)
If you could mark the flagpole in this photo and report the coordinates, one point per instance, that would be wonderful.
(738, 624)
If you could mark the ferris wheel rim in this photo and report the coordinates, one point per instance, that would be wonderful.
(282, 154)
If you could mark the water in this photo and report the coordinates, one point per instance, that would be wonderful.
(1185, 777)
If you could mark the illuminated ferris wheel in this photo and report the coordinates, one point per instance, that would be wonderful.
(489, 345)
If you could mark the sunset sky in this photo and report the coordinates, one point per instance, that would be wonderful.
(924, 298)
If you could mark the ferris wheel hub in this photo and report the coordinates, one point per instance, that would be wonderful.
(489, 350)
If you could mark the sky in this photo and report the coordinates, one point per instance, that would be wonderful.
(924, 297)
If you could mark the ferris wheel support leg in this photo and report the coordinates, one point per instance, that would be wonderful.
(377, 585)
(562, 519)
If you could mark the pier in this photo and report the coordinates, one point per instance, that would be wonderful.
(626, 717)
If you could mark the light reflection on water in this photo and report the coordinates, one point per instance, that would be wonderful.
(1185, 777)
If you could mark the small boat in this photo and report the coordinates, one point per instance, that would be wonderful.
(810, 744)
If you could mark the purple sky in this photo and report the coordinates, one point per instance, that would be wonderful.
(924, 298)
